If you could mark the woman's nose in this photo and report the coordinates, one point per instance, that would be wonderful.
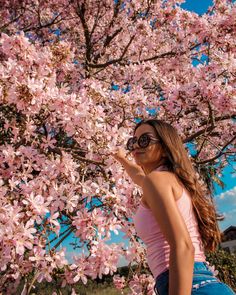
(135, 145)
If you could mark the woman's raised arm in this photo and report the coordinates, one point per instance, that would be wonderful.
(134, 171)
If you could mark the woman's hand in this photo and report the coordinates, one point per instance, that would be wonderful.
(135, 172)
(119, 155)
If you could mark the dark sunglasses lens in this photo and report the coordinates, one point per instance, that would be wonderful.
(144, 140)
(130, 144)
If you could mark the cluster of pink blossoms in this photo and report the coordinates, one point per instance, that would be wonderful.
(139, 284)
(74, 77)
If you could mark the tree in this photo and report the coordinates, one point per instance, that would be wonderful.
(74, 77)
(224, 266)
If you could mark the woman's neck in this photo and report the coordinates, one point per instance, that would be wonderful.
(153, 166)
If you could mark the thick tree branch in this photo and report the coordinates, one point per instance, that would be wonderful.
(165, 54)
(209, 128)
(95, 20)
(87, 35)
(54, 21)
(106, 43)
(115, 13)
(110, 38)
(114, 60)
(12, 21)
(162, 55)
(211, 114)
(201, 147)
(219, 154)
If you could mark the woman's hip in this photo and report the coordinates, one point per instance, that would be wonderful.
(204, 282)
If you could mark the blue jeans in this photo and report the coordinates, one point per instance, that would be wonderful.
(204, 282)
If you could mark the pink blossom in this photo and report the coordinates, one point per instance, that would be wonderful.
(119, 282)
(61, 120)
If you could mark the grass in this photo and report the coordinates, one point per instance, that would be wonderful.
(91, 288)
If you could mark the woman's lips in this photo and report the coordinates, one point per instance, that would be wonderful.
(136, 153)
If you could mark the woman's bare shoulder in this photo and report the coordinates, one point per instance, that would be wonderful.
(166, 176)
(165, 180)
(157, 179)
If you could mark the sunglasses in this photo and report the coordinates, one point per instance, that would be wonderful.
(143, 141)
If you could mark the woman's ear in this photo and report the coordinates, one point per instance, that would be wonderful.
(164, 153)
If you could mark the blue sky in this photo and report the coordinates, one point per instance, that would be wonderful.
(198, 6)
(225, 199)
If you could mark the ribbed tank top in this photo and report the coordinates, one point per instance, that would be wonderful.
(158, 249)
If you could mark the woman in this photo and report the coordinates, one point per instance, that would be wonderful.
(175, 219)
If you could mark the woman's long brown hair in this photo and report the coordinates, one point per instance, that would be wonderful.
(180, 164)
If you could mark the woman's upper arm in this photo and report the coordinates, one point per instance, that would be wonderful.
(159, 196)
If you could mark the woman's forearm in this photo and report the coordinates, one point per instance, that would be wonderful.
(134, 171)
(181, 271)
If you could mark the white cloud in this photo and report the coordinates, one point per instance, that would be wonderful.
(226, 199)
(230, 214)
(230, 219)
(226, 204)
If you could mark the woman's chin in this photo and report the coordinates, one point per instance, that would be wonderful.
(139, 162)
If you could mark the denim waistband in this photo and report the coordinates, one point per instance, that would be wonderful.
(198, 266)
(203, 277)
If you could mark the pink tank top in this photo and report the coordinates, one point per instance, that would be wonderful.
(158, 249)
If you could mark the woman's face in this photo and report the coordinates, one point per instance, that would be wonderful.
(153, 153)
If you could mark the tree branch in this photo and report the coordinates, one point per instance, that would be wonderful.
(10, 22)
(219, 154)
(163, 55)
(83, 159)
(63, 238)
(61, 234)
(41, 26)
(87, 36)
(166, 54)
(114, 60)
(209, 128)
